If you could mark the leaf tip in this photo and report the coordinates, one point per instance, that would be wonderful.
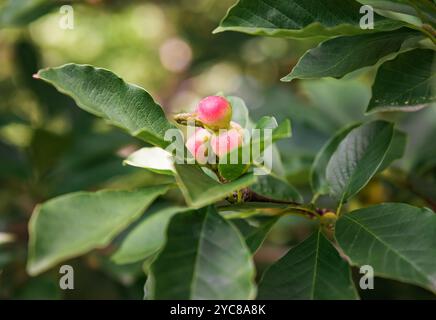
(218, 29)
(287, 78)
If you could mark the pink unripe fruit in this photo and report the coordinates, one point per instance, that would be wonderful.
(227, 140)
(215, 112)
(198, 145)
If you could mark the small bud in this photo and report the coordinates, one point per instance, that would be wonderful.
(227, 140)
(328, 219)
(198, 145)
(215, 112)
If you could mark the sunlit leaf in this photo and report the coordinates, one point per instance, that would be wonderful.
(104, 94)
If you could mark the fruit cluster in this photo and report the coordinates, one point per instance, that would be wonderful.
(220, 134)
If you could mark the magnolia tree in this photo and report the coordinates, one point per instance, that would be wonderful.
(225, 164)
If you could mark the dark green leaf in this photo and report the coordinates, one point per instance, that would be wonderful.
(275, 188)
(406, 83)
(396, 149)
(338, 56)
(358, 157)
(205, 257)
(311, 270)
(318, 171)
(254, 230)
(104, 94)
(397, 240)
(299, 18)
(22, 12)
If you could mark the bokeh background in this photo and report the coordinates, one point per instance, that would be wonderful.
(49, 147)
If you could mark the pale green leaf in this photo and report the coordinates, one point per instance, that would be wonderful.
(73, 224)
(238, 161)
(148, 236)
(199, 189)
(154, 159)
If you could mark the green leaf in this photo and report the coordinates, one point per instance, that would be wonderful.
(410, 11)
(205, 257)
(254, 230)
(240, 113)
(75, 223)
(104, 94)
(299, 18)
(17, 13)
(311, 270)
(406, 83)
(148, 236)
(275, 188)
(234, 164)
(358, 157)
(154, 159)
(397, 240)
(339, 56)
(396, 149)
(199, 189)
(318, 178)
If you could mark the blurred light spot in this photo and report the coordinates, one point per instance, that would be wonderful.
(6, 237)
(273, 47)
(222, 77)
(185, 101)
(175, 55)
(125, 151)
(251, 51)
(16, 134)
(148, 21)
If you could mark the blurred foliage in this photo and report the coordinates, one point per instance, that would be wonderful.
(49, 147)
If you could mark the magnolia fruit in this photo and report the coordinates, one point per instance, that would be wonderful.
(227, 140)
(215, 112)
(198, 145)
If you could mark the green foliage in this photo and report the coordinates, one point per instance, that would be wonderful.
(192, 230)
(313, 269)
(404, 84)
(397, 240)
(21, 12)
(339, 56)
(73, 224)
(131, 108)
(298, 18)
(357, 158)
(211, 249)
